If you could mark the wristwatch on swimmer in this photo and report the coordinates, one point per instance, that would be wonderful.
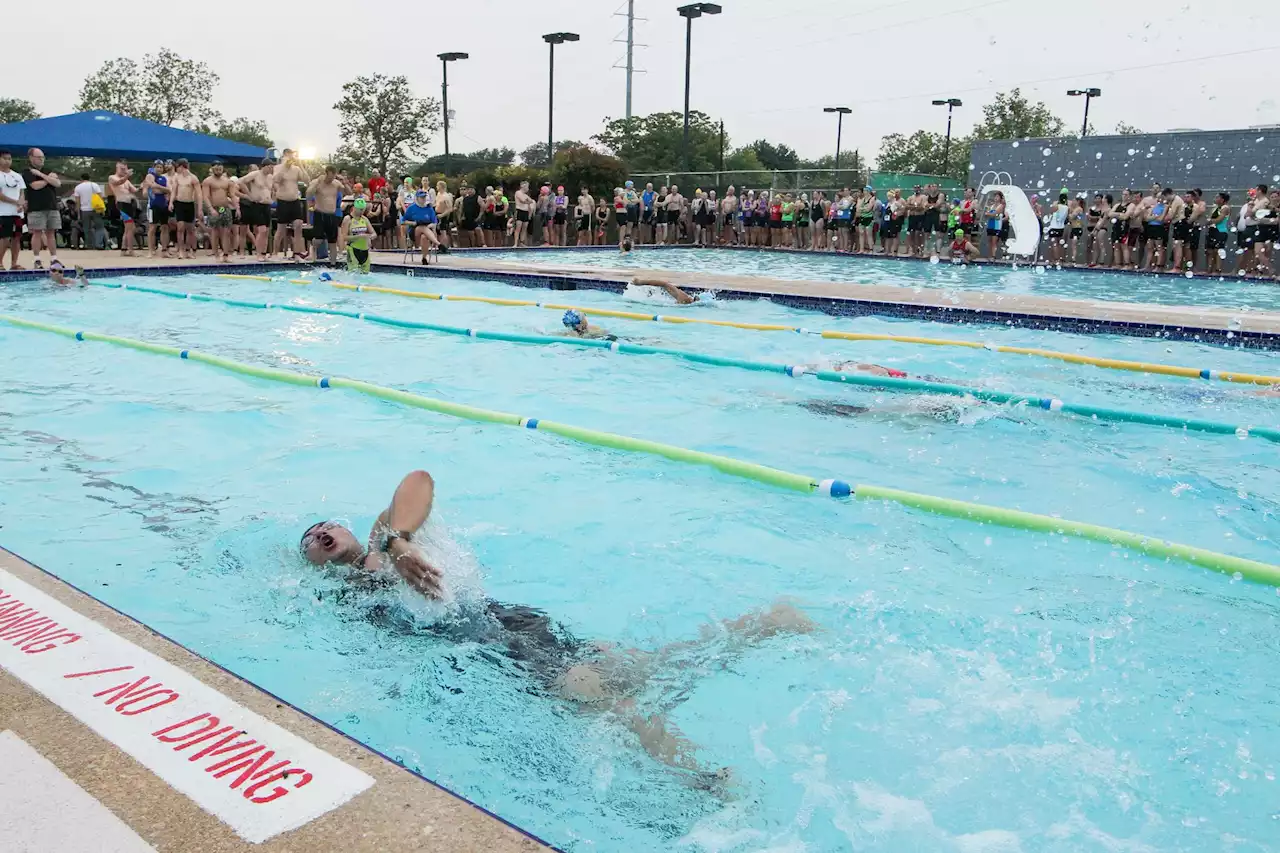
(387, 538)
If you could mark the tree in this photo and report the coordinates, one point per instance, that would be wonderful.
(536, 154)
(460, 164)
(16, 109)
(653, 143)
(744, 160)
(1126, 129)
(115, 87)
(238, 129)
(775, 157)
(382, 123)
(580, 167)
(922, 152)
(168, 89)
(1012, 116)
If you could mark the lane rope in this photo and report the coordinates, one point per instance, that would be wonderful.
(1073, 358)
(1048, 404)
(1237, 567)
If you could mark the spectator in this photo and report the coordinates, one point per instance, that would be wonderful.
(70, 210)
(12, 191)
(43, 219)
(377, 183)
(89, 200)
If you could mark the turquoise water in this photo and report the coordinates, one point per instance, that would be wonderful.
(970, 688)
(1228, 292)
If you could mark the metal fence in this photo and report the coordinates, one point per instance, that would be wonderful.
(793, 180)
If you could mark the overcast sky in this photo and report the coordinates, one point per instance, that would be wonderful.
(767, 67)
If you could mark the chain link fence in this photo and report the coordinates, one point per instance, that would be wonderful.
(794, 180)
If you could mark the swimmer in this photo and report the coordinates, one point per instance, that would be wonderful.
(674, 292)
(57, 275)
(596, 677)
(354, 235)
(575, 324)
(962, 249)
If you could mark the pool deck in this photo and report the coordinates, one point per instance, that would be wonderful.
(67, 786)
(1185, 322)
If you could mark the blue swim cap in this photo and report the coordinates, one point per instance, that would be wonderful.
(571, 318)
(324, 276)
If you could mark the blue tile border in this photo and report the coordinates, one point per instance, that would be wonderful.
(285, 702)
(832, 306)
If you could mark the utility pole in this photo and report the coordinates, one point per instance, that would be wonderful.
(722, 145)
(630, 41)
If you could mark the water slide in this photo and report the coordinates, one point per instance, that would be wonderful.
(1022, 216)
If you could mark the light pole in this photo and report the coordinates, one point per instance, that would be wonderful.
(693, 10)
(1089, 94)
(950, 104)
(553, 39)
(841, 113)
(445, 59)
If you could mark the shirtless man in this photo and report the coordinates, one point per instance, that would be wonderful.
(596, 677)
(326, 219)
(675, 209)
(155, 186)
(729, 217)
(217, 201)
(184, 203)
(916, 207)
(524, 213)
(121, 187)
(444, 213)
(254, 197)
(291, 210)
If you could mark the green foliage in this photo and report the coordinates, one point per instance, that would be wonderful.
(1012, 116)
(536, 154)
(460, 164)
(774, 157)
(653, 143)
(167, 89)
(922, 153)
(580, 167)
(15, 110)
(743, 160)
(243, 130)
(1126, 129)
(381, 122)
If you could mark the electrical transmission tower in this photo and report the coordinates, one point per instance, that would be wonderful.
(628, 37)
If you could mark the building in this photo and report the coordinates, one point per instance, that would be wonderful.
(1212, 160)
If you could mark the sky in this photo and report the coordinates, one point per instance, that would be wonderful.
(766, 67)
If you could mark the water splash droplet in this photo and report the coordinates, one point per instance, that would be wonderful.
(1071, 174)
(1046, 152)
(1016, 143)
(1098, 156)
(1039, 184)
(1133, 151)
(1189, 166)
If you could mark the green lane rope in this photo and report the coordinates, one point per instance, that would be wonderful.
(1235, 566)
(890, 383)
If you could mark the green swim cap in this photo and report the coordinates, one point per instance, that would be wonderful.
(959, 232)
(360, 204)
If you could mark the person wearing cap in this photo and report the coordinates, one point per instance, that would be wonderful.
(57, 275)
(355, 234)
(576, 325)
(419, 219)
(155, 186)
(962, 248)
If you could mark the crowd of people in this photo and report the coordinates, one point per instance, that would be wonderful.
(279, 210)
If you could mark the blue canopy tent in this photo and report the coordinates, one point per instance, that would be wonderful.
(104, 134)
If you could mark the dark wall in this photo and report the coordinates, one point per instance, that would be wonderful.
(1212, 160)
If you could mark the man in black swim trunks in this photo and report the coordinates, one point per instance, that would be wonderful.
(592, 675)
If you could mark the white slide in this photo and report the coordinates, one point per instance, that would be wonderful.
(1022, 219)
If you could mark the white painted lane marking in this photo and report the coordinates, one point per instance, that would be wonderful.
(248, 772)
(41, 809)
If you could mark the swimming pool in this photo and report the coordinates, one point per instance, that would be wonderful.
(971, 688)
(1226, 292)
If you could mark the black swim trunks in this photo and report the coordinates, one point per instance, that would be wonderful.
(325, 227)
(160, 215)
(289, 212)
(522, 216)
(184, 211)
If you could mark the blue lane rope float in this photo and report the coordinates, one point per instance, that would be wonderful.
(1048, 404)
(1237, 567)
(1071, 358)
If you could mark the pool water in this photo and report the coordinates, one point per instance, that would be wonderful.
(968, 688)
(1218, 292)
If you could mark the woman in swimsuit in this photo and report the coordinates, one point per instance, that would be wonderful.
(890, 224)
(559, 217)
(802, 214)
(602, 221)
(993, 218)
(1075, 222)
(1119, 226)
(501, 210)
(1099, 229)
(788, 222)
(1215, 239)
(761, 218)
(818, 216)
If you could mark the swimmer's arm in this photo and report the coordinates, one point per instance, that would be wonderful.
(410, 505)
(674, 292)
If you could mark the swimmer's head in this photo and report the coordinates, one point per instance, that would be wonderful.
(330, 542)
(360, 204)
(573, 319)
(626, 245)
(629, 184)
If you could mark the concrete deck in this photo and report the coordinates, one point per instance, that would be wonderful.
(400, 811)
